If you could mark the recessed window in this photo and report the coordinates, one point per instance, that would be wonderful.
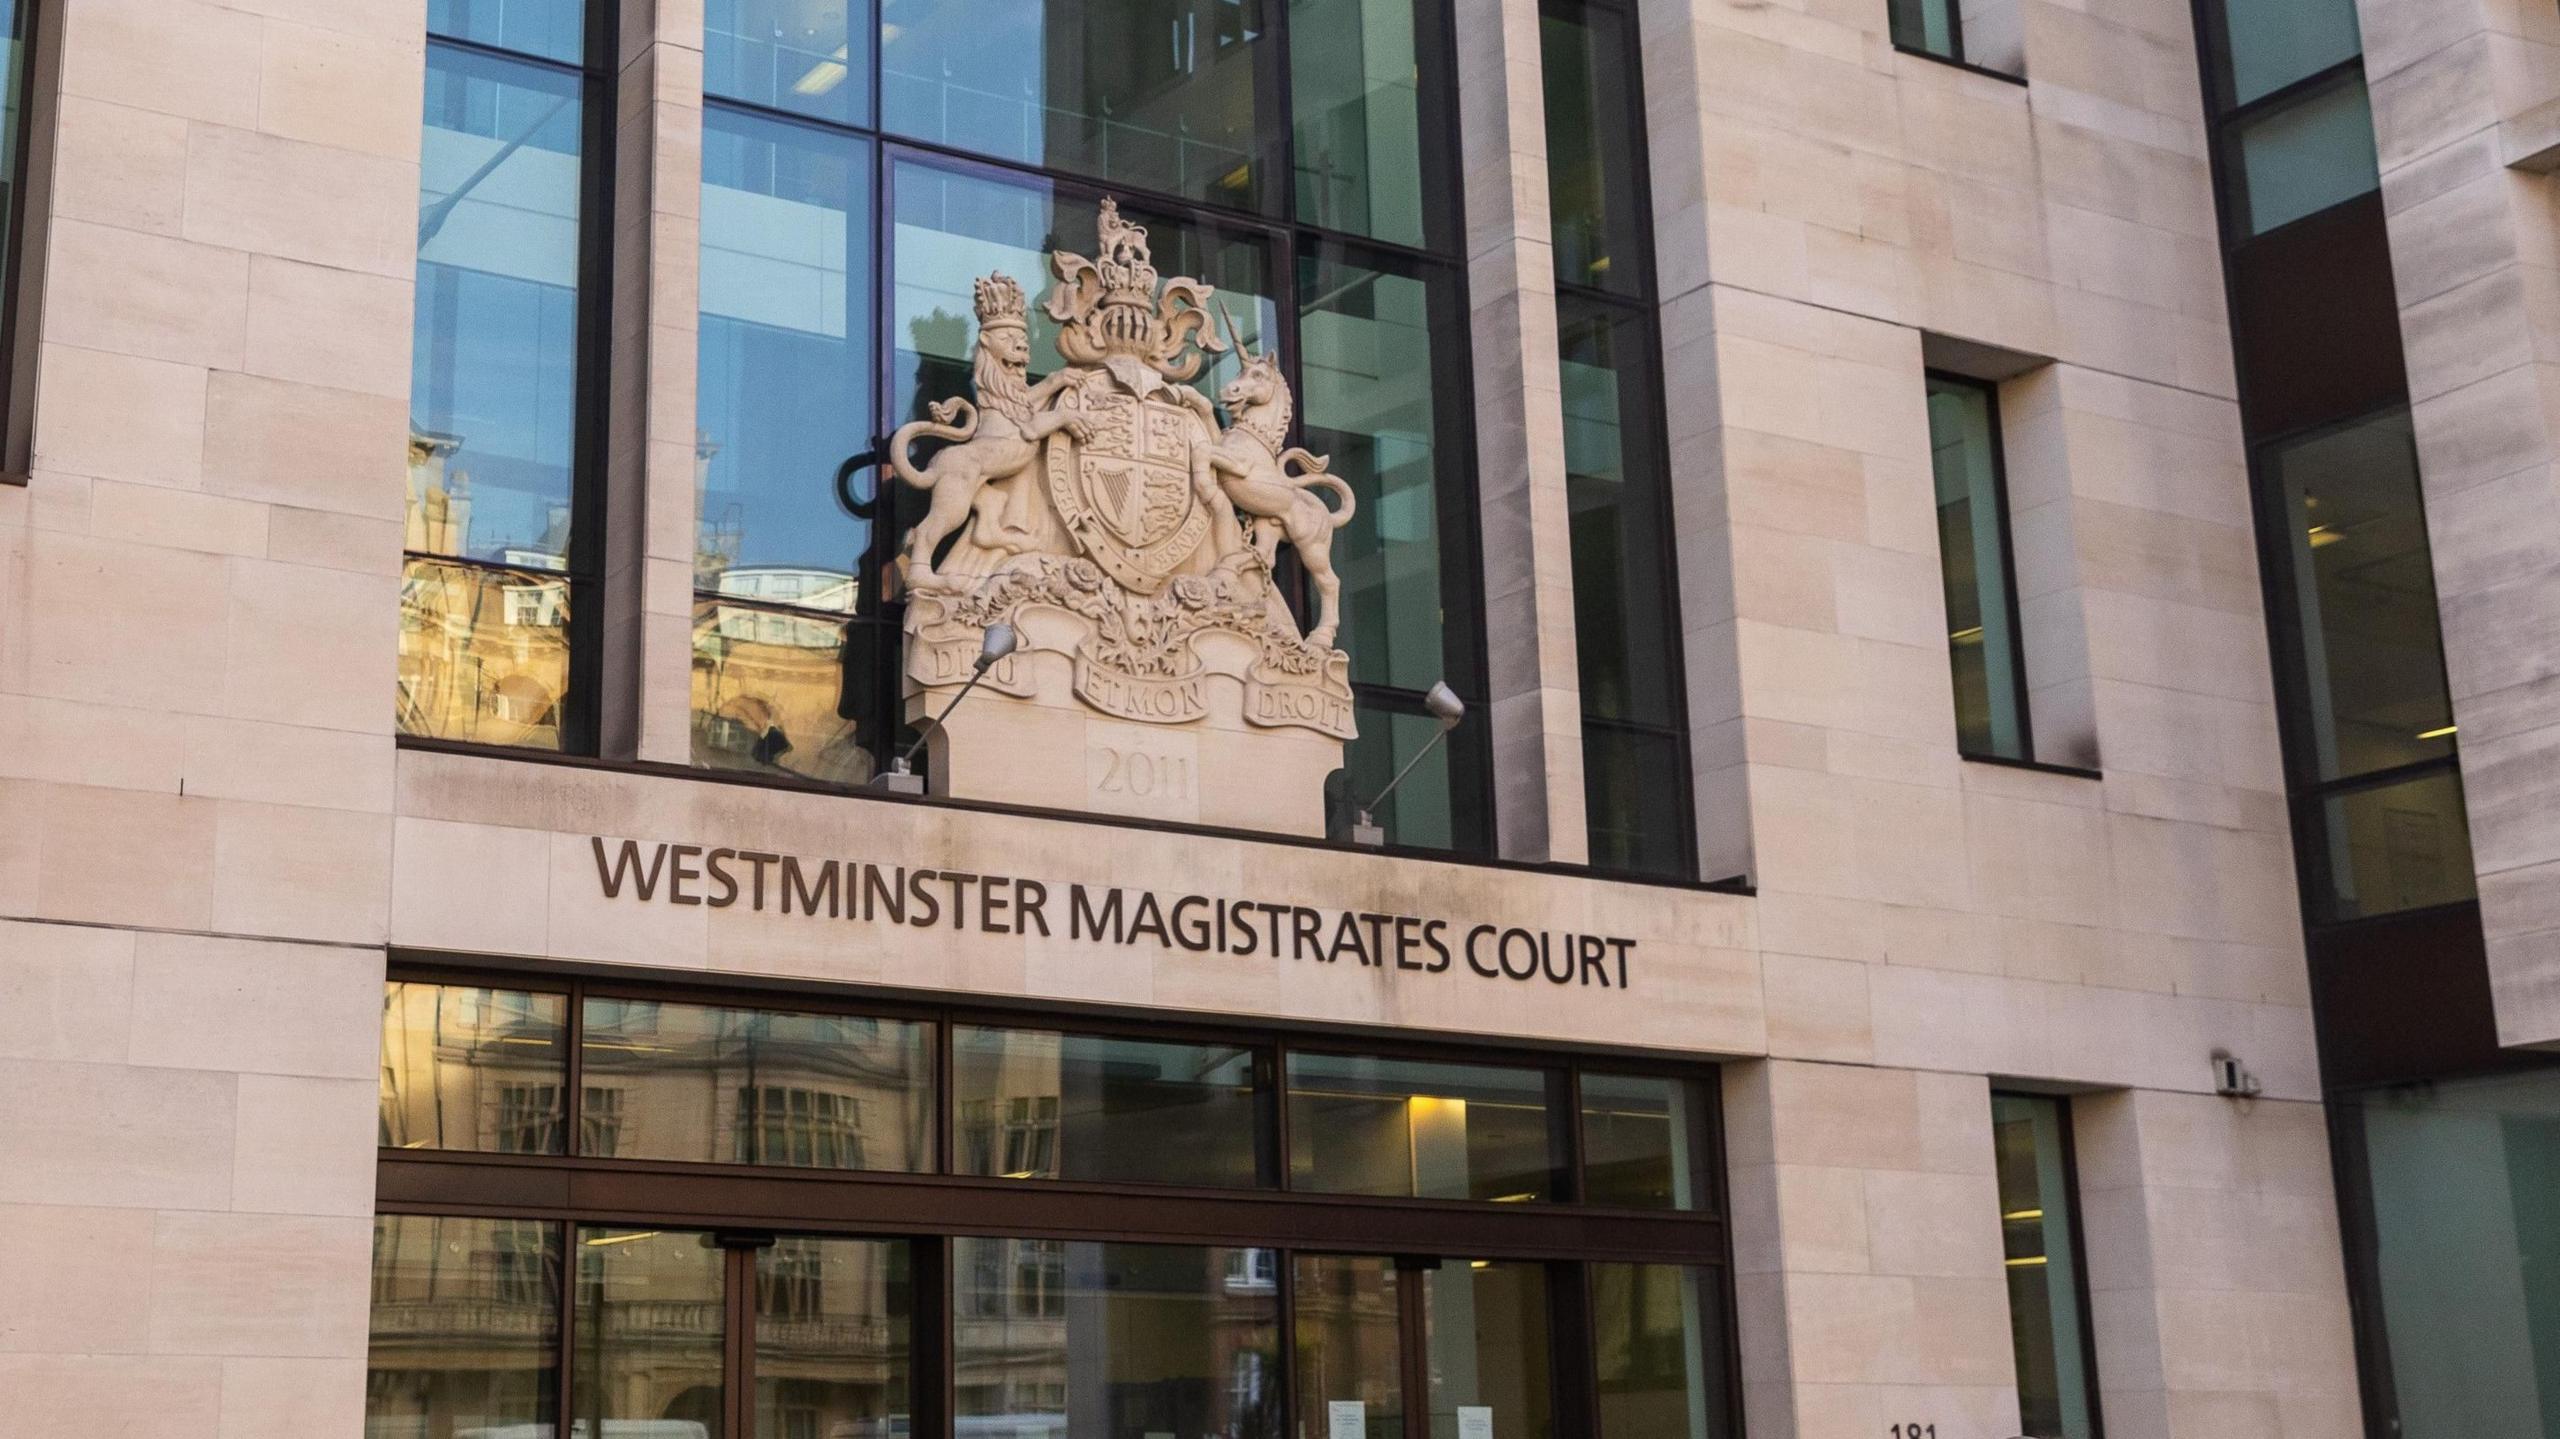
(1983, 642)
(2040, 1248)
(1980, 34)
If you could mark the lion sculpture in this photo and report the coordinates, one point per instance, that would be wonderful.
(989, 445)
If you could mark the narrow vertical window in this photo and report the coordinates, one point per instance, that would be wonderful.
(788, 639)
(498, 561)
(1973, 546)
(1626, 612)
(2040, 1241)
(1379, 337)
(17, 55)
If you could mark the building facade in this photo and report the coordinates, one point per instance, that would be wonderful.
(1995, 562)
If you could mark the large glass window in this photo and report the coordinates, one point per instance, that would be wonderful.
(756, 1298)
(1114, 1341)
(1375, 397)
(652, 1320)
(1350, 1347)
(476, 1069)
(810, 56)
(786, 390)
(1408, 1127)
(1643, 1141)
(1658, 1342)
(834, 1348)
(1492, 1364)
(2362, 596)
(2465, 1257)
(496, 565)
(1306, 178)
(2360, 657)
(1369, 113)
(756, 1086)
(1973, 549)
(466, 1324)
(2048, 1298)
(1156, 95)
(1030, 1104)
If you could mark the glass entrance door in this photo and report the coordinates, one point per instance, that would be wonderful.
(1423, 1348)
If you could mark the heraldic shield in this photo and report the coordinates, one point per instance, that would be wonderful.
(1127, 527)
(1127, 492)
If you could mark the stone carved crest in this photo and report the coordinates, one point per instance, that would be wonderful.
(1111, 518)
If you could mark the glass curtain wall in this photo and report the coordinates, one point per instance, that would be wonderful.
(2369, 730)
(2464, 1247)
(1547, 1245)
(863, 164)
(496, 590)
(1626, 612)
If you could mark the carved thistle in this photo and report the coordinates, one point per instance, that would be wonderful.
(1109, 515)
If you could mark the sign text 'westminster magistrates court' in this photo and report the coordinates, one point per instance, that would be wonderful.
(864, 893)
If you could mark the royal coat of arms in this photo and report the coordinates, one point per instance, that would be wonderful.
(1113, 515)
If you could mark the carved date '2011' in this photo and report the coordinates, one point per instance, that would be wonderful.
(1144, 775)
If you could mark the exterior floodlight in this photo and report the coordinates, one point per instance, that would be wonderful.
(1448, 709)
(999, 641)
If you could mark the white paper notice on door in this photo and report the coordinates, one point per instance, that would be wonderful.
(1475, 1421)
(1346, 1419)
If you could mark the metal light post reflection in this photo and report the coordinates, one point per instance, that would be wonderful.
(1448, 709)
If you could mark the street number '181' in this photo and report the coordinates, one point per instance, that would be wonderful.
(1915, 1431)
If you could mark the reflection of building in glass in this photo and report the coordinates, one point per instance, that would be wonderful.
(484, 648)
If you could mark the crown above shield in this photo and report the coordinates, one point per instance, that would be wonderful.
(1000, 304)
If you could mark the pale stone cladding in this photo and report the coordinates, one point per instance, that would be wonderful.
(210, 843)
(2466, 114)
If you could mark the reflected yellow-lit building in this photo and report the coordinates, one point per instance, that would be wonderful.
(484, 647)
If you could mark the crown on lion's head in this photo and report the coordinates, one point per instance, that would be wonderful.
(1000, 304)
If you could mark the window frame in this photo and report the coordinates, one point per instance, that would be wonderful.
(2307, 793)
(2008, 556)
(1290, 242)
(745, 1207)
(580, 703)
(1641, 307)
(2066, 1123)
(1955, 44)
(21, 279)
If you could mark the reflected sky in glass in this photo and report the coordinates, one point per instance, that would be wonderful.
(494, 377)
